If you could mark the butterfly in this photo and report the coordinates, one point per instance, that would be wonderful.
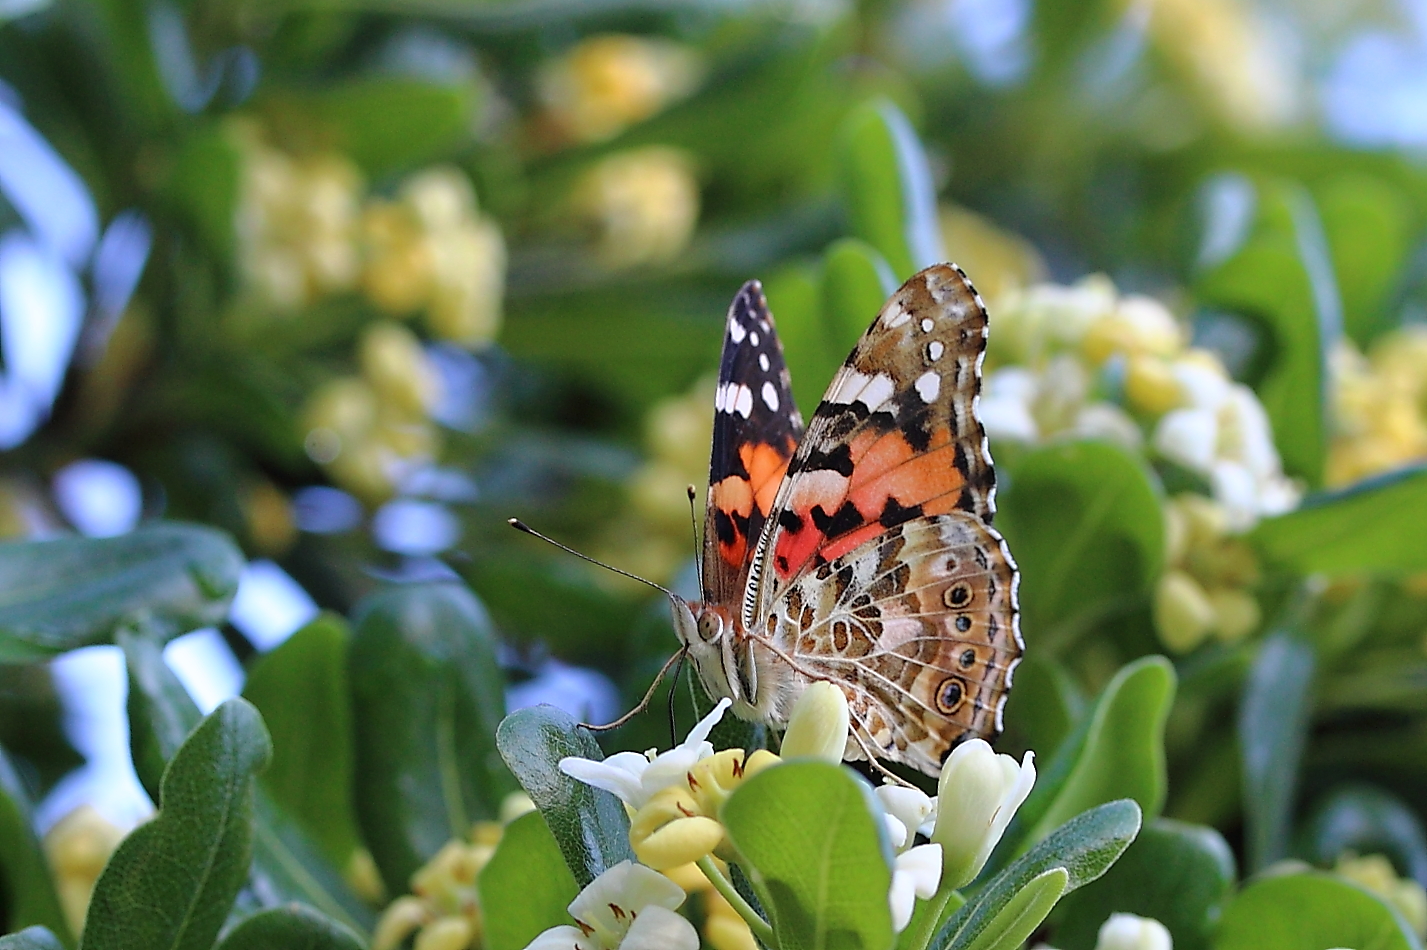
(859, 551)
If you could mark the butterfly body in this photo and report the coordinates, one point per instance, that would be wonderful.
(861, 551)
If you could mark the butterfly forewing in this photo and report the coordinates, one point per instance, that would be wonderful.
(756, 430)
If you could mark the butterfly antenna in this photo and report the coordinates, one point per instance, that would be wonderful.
(673, 690)
(519, 525)
(694, 527)
(648, 696)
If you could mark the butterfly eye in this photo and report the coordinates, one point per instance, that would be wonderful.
(709, 627)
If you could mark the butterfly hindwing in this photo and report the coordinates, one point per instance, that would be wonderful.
(756, 430)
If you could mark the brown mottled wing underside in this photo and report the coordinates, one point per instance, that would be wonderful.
(756, 430)
(919, 629)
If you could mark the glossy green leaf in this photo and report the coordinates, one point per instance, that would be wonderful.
(171, 882)
(420, 120)
(72, 592)
(1311, 912)
(31, 938)
(1119, 753)
(1364, 819)
(1369, 227)
(294, 927)
(1083, 520)
(814, 852)
(887, 189)
(427, 695)
(1179, 874)
(301, 690)
(1086, 846)
(1353, 531)
(794, 295)
(1020, 917)
(589, 824)
(26, 889)
(526, 887)
(1282, 277)
(287, 866)
(1274, 716)
(204, 185)
(856, 282)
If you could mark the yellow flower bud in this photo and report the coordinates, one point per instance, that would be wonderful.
(1183, 614)
(394, 363)
(606, 83)
(362, 875)
(1236, 613)
(78, 846)
(399, 268)
(642, 205)
(667, 832)
(402, 917)
(441, 197)
(1151, 387)
(448, 933)
(346, 407)
(818, 724)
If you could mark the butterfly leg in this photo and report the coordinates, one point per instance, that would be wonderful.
(643, 703)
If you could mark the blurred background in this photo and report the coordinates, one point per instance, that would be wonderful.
(356, 281)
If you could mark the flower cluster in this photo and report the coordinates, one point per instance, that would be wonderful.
(444, 907)
(1086, 361)
(640, 205)
(604, 84)
(370, 431)
(1206, 587)
(1378, 402)
(674, 800)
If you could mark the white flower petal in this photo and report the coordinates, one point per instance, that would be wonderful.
(614, 775)
(909, 807)
(557, 938)
(659, 929)
(1235, 489)
(700, 733)
(902, 898)
(612, 901)
(923, 865)
(1189, 437)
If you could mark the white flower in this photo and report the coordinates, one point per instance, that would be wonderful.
(628, 907)
(916, 873)
(817, 727)
(909, 810)
(634, 778)
(1106, 421)
(978, 794)
(1128, 932)
(1189, 437)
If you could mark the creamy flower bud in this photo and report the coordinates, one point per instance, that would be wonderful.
(1128, 932)
(818, 725)
(978, 794)
(1183, 613)
(448, 933)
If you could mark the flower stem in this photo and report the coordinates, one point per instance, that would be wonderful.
(757, 924)
(924, 925)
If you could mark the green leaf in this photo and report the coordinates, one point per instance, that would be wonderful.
(1367, 820)
(1369, 229)
(171, 882)
(1311, 912)
(1083, 520)
(1118, 753)
(419, 121)
(1043, 708)
(1274, 716)
(1024, 912)
(793, 294)
(526, 887)
(287, 866)
(887, 189)
(427, 695)
(813, 849)
(1085, 847)
(204, 185)
(301, 690)
(856, 282)
(73, 592)
(26, 888)
(1282, 277)
(1357, 530)
(294, 927)
(1179, 874)
(589, 824)
(31, 938)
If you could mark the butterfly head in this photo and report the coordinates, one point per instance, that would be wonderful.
(706, 632)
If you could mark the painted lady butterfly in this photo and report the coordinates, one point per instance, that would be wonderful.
(860, 552)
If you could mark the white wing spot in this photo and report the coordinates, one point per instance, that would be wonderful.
(770, 396)
(935, 350)
(896, 317)
(736, 333)
(763, 362)
(743, 403)
(927, 325)
(928, 385)
(753, 338)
